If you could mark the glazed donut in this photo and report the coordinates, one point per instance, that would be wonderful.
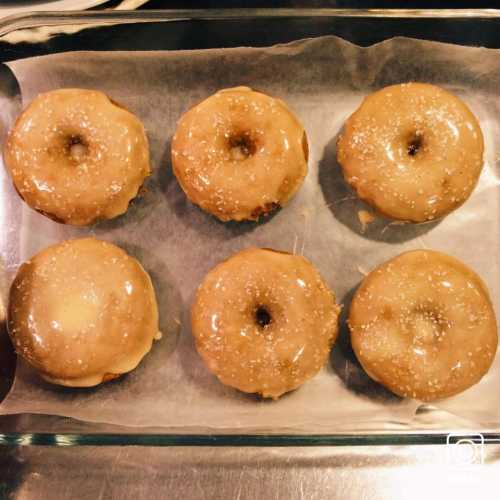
(422, 324)
(264, 321)
(82, 312)
(76, 156)
(412, 151)
(239, 154)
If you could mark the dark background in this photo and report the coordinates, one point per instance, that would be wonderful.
(361, 4)
(342, 4)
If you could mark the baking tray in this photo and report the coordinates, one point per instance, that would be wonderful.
(50, 33)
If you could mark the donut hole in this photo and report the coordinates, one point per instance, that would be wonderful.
(241, 145)
(77, 147)
(414, 143)
(263, 316)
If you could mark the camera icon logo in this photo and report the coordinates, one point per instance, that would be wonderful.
(465, 449)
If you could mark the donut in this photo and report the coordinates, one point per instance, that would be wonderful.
(76, 156)
(239, 154)
(264, 321)
(422, 324)
(82, 312)
(412, 151)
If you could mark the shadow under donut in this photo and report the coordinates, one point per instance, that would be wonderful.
(168, 296)
(345, 205)
(147, 200)
(345, 364)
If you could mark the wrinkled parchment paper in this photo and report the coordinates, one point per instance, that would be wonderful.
(323, 80)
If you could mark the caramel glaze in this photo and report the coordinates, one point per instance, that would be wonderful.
(240, 154)
(264, 321)
(423, 325)
(82, 312)
(76, 156)
(413, 151)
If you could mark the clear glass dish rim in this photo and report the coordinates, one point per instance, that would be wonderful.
(417, 437)
(239, 440)
(44, 18)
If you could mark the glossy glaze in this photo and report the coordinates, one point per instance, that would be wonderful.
(423, 325)
(413, 151)
(82, 311)
(239, 154)
(300, 310)
(76, 156)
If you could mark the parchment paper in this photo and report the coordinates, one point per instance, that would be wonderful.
(323, 80)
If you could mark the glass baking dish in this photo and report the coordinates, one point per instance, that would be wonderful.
(52, 32)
